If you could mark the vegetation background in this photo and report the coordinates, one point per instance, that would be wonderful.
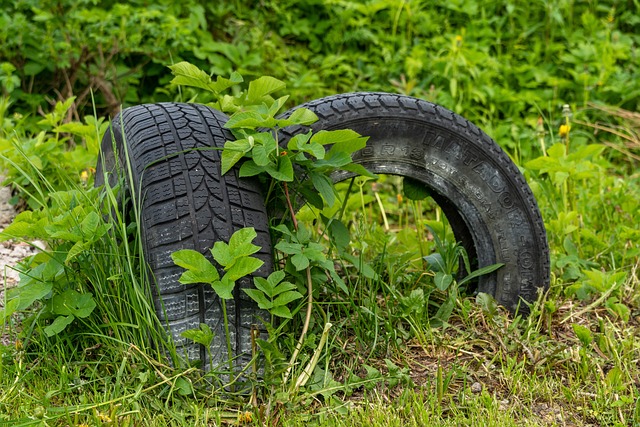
(555, 83)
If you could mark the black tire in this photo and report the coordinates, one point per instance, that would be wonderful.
(484, 196)
(186, 204)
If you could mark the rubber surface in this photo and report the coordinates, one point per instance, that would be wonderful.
(482, 193)
(186, 204)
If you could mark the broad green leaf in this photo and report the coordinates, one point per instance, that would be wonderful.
(28, 294)
(243, 267)
(71, 302)
(187, 74)
(300, 262)
(487, 303)
(224, 287)
(58, 325)
(228, 160)
(183, 386)
(281, 311)
(243, 236)
(89, 224)
(260, 155)
(249, 168)
(361, 266)
(359, 170)
(435, 261)
(414, 189)
(263, 86)
(284, 171)
(75, 250)
(259, 297)
(275, 278)
(203, 336)
(277, 105)
(339, 234)
(8, 310)
(298, 141)
(250, 120)
(287, 297)
(199, 268)
(443, 280)
(324, 185)
(346, 140)
(300, 116)
(283, 287)
(444, 312)
(222, 253)
(583, 333)
(335, 160)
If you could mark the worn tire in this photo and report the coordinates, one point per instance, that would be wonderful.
(185, 203)
(484, 196)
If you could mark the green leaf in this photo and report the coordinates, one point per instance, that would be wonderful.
(224, 287)
(436, 262)
(228, 160)
(71, 302)
(414, 189)
(275, 278)
(187, 74)
(263, 86)
(324, 185)
(300, 262)
(89, 224)
(199, 268)
(281, 311)
(487, 303)
(249, 168)
(289, 248)
(361, 266)
(298, 141)
(443, 280)
(183, 386)
(359, 170)
(583, 333)
(343, 140)
(444, 312)
(300, 116)
(8, 310)
(336, 160)
(261, 155)
(287, 297)
(259, 297)
(222, 254)
(284, 171)
(27, 295)
(203, 336)
(240, 242)
(339, 233)
(250, 120)
(58, 325)
(481, 272)
(243, 267)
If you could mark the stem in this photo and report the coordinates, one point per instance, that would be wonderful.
(293, 215)
(307, 319)
(227, 334)
(305, 328)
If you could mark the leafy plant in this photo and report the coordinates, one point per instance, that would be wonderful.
(236, 260)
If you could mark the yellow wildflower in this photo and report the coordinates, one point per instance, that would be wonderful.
(564, 130)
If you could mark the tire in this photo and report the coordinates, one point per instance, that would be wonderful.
(487, 201)
(186, 204)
